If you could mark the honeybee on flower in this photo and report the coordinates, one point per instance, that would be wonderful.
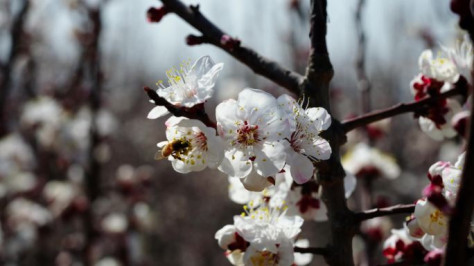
(191, 146)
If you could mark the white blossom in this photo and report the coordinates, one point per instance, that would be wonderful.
(362, 159)
(115, 223)
(430, 219)
(305, 143)
(189, 85)
(260, 236)
(191, 146)
(252, 128)
(461, 56)
(439, 68)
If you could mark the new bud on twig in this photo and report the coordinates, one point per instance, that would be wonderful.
(229, 43)
(156, 14)
(195, 40)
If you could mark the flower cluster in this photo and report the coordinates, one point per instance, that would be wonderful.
(437, 75)
(266, 146)
(428, 225)
(261, 236)
(258, 135)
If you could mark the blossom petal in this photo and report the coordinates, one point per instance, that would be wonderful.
(235, 164)
(270, 159)
(157, 111)
(320, 117)
(350, 183)
(208, 80)
(255, 182)
(319, 149)
(301, 167)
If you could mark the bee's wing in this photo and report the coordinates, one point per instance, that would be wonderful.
(159, 156)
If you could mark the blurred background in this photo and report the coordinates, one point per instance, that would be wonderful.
(78, 181)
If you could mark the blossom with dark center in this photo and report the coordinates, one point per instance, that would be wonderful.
(253, 129)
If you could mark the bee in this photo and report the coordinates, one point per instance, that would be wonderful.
(175, 148)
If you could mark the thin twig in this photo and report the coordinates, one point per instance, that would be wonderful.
(259, 64)
(312, 250)
(400, 108)
(378, 212)
(196, 112)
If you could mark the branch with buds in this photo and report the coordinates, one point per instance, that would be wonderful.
(401, 108)
(213, 35)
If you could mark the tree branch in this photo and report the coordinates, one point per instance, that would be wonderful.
(400, 108)
(312, 250)
(196, 112)
(319, 73)
(6, 69)
(378, 212)
(212, 34)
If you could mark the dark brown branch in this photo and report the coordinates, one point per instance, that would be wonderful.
(259, 64)
(319, 73)
(460, 221)
(92, 68)
(400, 108)
(6, 69)
(196, 112)
(312, 250)
(378, 212)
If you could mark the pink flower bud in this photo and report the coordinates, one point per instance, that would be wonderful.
(156, 14)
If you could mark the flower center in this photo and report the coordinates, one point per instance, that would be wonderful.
(248, 134)
(264, 258)
(201, 141)
(437, 217)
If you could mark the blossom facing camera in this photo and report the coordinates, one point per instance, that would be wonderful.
(188, 86)
(252, 128)
(261, 236)
(191, 146)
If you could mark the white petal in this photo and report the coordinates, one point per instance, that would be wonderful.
(301, 168)
(227, 118)
(255, 182)
(429, 127)
(201, 66)
(270, 159)
(235, 164)
(301, 258)
(320, 117)
(319, 148)
(208, 80)
(238, 193)
(225, 236)
(350, 183)
(157, 111)
(253, 98)
(430, 219)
